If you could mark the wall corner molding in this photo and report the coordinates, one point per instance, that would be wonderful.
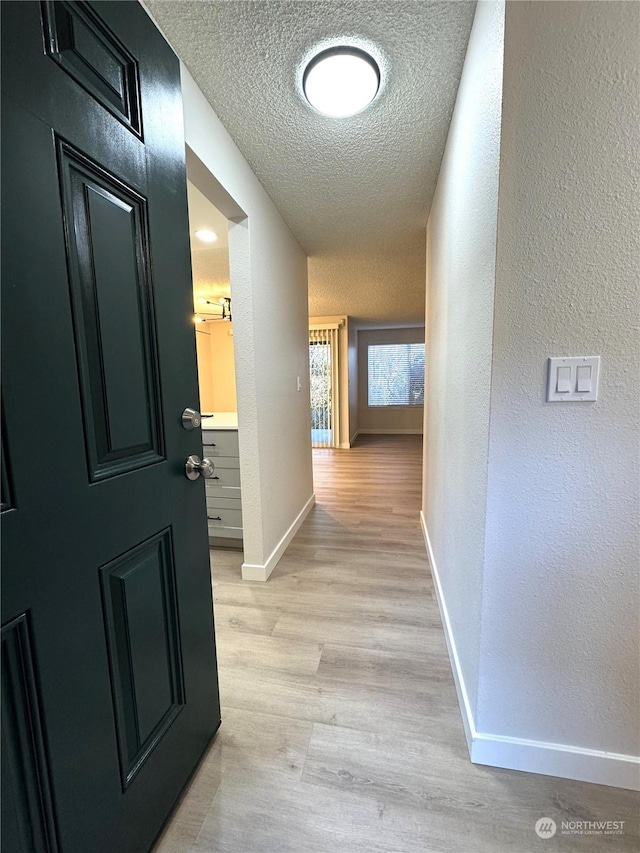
(262, 571)
(353, 438)
(512, 753)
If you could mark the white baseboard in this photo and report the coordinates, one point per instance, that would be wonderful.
(550, 759)
(347, 445)
(381, 431)
(458, 678)
(261, 572)
(557, 759)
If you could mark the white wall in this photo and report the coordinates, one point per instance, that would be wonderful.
(383, 419)
(205, 368)
(461, 247)
(353, 380)
(534, 528)
(223, 370)
(561, 598)
(269, 286)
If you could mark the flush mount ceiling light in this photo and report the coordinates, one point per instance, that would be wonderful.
(341, 81)
(206, 236)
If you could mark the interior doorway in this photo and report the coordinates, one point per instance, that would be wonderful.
(324, 387)
(214, 337)
(212, 306)
(321, 394)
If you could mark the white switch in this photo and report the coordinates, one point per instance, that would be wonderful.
(573, 379)
(299, 384)
(563, 385)
(583, 384)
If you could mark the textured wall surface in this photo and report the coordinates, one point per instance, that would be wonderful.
(393, 417)
(461, 248)
(346, 187)
(561, 602)
(269, 284)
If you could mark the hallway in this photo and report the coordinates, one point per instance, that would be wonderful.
(341, 730)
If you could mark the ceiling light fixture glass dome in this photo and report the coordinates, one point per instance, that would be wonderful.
(206, 235)
(341, 81)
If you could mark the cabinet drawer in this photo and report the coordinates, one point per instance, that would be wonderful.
(223, 477)
(223, 517)
(216, 533)
(220, 461)
(220, 442)
(216, 503)
(224, 492)
(224, 484)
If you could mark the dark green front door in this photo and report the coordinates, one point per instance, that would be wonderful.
(109, 672)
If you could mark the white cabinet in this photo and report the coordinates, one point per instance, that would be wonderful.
(220, 442)
(224, 507)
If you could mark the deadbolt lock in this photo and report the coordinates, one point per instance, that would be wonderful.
(191, 419)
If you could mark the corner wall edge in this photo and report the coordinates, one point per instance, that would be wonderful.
(512, 753)
(262, 571)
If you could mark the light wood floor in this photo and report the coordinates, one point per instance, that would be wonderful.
(341, 731)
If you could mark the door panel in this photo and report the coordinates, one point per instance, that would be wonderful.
(104, 540)
(77, 39)
(144, 648)
(6, 499)
(28, 822)
(108, 260)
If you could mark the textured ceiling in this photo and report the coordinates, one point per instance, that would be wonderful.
(356, 189)
(203, 215)
(375, 286)
(209, 261)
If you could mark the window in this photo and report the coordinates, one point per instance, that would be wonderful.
(321, 393)
(324, 385)
(396, 374)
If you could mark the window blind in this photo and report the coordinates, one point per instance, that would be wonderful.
(323, 365)
(395, 374)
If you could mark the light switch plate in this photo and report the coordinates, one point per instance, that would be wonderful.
(555, 382)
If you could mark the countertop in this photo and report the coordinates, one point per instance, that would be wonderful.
(220, 420)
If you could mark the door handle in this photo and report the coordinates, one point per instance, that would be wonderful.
(196, 467)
